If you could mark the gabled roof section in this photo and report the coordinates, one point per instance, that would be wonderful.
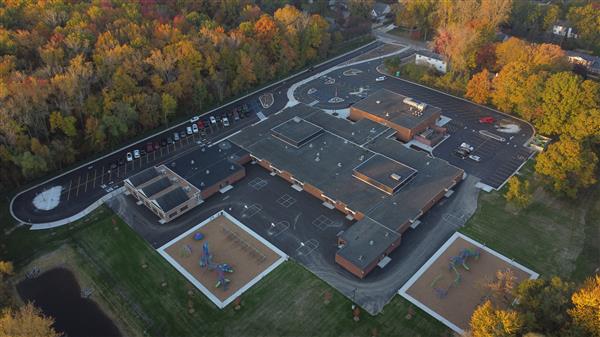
(143, 176)
(172, 199)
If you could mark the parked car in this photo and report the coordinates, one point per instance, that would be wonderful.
(380, 78)
(142, 153)
(194, 128)
(236, 116)
(182, 134)
(156, 145)
(466, 147)
(136, 154)
(149, 147)
(225, 121)
(487, 120)
(170, 140)
(113, 165)
(164, 142)
(194, 119)
(213, 120)
(461, 153)
(188, 130)
(175, 136)
(200, 124)
(474, 158)
(121, 162)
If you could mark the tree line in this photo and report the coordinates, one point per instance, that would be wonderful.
(533, 81)
(81, 77)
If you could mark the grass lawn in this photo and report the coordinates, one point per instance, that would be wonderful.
(553, 236)
(128, 275)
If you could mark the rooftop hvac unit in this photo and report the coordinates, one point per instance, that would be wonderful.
(395, 177)
(192, 162)
(371, 242)
(173, 178)
(377, 102)
(187, 189)
(418, 105)
(163, 171)
(339, 164)
(296, 119)
(207, 171)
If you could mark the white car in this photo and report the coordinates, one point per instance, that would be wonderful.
(136, 154)
(466, 147)
(474, 158)
(194, 128)
(225, 121)
(380, 78)
(188, 130)
(129, 156)
(212, 119)
(194, 119)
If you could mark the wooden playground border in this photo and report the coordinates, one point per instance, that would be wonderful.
(255, 250)
(404, 290)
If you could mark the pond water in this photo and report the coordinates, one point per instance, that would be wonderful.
(57, 293)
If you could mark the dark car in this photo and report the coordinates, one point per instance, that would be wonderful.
(113, 165)
(461, 153)
(163, 142)
(149, 147)
(156, 145)
(169, 140)
(142, 153)
(121, 162)
(182, 134)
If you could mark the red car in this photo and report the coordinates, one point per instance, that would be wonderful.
(487, 120)
(149, 147)
(200, 124)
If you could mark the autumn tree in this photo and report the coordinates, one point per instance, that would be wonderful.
(479, 87)
(586, 310)
(26, 321)
(488, 321)
(361, 8)
(587, 22)
(518, 192)
(6, 270)
(417, 13)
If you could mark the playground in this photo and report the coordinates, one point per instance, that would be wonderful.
(452, 283)
(222, 257)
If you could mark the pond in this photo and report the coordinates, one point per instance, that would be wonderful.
(57, 293)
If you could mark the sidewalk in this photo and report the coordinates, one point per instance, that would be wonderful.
(395, 39)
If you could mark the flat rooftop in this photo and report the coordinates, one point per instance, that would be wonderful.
(391, 106)
(366, 240)
(296, 131)
(206, 166)
(384, 173)
(328, 162)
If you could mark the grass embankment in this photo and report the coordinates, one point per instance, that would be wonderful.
(552, 236)
(128, 275)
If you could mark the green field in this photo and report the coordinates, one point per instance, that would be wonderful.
(552, 236)
(289, 301)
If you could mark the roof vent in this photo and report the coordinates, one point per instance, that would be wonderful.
(387, 114)
(361, 158)
(297, 119)
(207, 171)
(317, 159)
(310, 145)
(232, 168)
(371, 242)
(339, 164)
(395, 177)
(203, 149)
(378, 102)
(187, 188)
(192, 162)
(387, 234)
(360, 258)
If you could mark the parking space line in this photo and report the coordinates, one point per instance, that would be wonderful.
(69, 191)
(86, 181)
(95, 174)
(102, 176)
(78, 184)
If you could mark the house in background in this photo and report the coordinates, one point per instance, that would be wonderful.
(590, 63)
(380, 10)
(431, 59)
(564, 29)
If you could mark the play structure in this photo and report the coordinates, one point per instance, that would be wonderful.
(457, 260)
(186, 251)
(221, 268)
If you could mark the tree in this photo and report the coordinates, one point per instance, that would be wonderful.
(361, 8)
(502, 286)
(479, 87)
(508, 85)
(518, 193)
(512, 50)
(587, 22)
(488, 321)
(26, 321)
(417, 13)
(169, 105)
(586, 310)
(567, 166)
(543, 304)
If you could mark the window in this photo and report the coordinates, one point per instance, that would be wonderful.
(182, 209)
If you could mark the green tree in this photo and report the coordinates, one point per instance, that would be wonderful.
(169, 105)
(417, 13)
(361, 8)
(587, 22)
(479, 87)
(543, 304)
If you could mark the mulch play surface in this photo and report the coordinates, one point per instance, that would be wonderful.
(228, 243)
(461, 298)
